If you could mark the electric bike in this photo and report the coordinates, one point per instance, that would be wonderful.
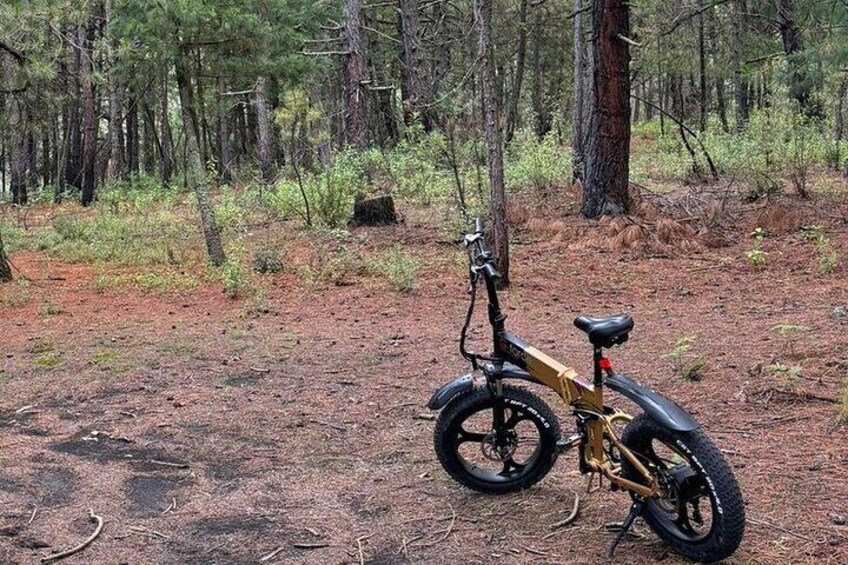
(498, 438)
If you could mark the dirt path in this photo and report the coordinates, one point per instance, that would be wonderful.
(202, 436)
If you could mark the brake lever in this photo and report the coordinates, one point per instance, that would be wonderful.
(471, 239)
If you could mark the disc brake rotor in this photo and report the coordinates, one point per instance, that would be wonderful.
(494, 452)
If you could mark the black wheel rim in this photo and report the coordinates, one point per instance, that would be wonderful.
(686, 508)
(475, 445)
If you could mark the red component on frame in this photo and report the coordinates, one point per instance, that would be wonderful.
(605, 364)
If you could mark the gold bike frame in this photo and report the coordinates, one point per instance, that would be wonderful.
(585, 399)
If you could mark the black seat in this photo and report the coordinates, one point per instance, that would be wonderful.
(606, 332)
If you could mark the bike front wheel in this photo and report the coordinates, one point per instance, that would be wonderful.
(699, 512)
(473, 452)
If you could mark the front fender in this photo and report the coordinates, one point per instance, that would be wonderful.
(450, 390)
(663, 410)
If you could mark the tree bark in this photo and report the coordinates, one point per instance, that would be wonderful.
(225, 159)
(73, 134)
(89, 148)
(17, 128)
(605, 191)
(211, 232)
(353, 70)
(540, 109)
(520, 58)
(740, 82)
(133, 137)
(491, 121)
(578, 111)
(165, 143)
(113, 163)
(702, 75)
(415, 90)
(5, 267)
(801, 86)
(263, 131)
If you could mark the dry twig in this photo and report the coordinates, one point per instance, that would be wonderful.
(271, 555)
(83, 545)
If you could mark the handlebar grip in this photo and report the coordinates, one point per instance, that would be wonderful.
(479, 225)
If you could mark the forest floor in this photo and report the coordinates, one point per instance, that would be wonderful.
(202, 435)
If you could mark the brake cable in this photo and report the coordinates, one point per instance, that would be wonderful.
(464, 333)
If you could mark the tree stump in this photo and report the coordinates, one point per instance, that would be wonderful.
(379, 211)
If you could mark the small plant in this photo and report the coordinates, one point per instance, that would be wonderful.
(267, 261)
(792, 334)
(257, 305)
(235, 279)
(789, 375)
(756, 256)
(50, 359)
(688, 368)
(50, 308)
(399, 267)
(828, 260)
(843, 411)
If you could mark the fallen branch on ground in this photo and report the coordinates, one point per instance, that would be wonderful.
(83, 545)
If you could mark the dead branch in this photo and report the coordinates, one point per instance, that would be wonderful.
(310, 545)
(31, 518)
(67, 553)
(170, 464)
(272, 555)
(572, 515)
(627, 40)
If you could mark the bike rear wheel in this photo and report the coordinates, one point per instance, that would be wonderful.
(699, 513)
(468, 447)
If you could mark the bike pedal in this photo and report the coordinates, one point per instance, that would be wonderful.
(570, 442)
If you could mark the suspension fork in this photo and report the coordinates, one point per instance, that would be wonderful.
(498, 422)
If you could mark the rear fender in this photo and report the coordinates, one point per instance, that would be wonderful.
(661, 409)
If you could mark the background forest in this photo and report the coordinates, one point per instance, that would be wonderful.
(200, 346)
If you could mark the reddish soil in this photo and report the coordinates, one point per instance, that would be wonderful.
(308, 425)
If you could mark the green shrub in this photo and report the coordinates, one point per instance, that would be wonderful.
(398, 267)
(537, 164)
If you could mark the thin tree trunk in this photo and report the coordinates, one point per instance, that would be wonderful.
(840, 121)
(353, 70)
(5, 267)
(150, 145)
(73, 166)
(605, 191)
(17, 128)
(578, 111)
(415, 91)
(491, 122)
(801, 87)
(166, 144)
(132, 136)
(540, 109)
(702, 78)
(740, 81)
(225, 159)
(263, 131)
(89, 149)
(520, 57)
(211, 232)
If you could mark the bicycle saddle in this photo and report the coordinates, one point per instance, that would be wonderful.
(606, 332)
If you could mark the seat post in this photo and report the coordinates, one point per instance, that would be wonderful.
(599, 354)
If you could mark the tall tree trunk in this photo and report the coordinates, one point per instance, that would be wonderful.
(605, 191)
(5, 267)
(415, 90)
(113, 164)
(73, 135)
(211, 232)
(89, 149)
(520, 57)
(264, 143)
(353, 70)
(225, 159)
(702, 75)
(17, 128)
(165, 141)
(149, 147)
(578, 112)
(491, 123)
(740, 81)
(132, 136)
(839, 129)
(801, 86)
(540, 108)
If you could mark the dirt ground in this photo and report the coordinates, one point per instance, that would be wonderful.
(202, 436)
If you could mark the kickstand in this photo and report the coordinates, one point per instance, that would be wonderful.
(635, 511)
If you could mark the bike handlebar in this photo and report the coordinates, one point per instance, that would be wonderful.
(484, 260)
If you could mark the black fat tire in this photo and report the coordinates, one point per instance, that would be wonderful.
(480, 399)
(729, 522)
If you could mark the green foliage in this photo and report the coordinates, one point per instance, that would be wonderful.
(50, 308)
(330, 193)
(828, 258)
(756, 256)
(688, 368)
(397, 266)
(540, 164)
(330, 263)
(235, 279)
(789, 376)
